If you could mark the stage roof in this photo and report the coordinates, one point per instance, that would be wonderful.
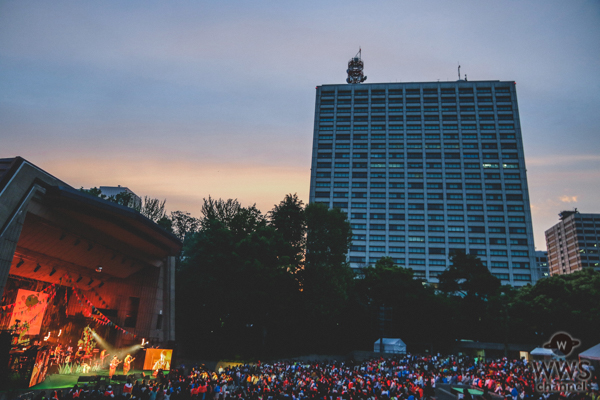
(66, 230)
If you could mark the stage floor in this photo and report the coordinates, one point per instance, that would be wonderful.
(67, 381)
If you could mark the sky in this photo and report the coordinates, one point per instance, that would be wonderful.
(180, 100)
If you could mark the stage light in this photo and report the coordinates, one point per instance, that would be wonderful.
(79, 279)
(20, 263)
(90, 282)
(143, 342)
(101, 284)
(53, 271)
(77, 241)
(59, 333)
(99, 268)
(90, 246)
(37, 268)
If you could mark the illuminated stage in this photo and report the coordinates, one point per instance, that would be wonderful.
(58, 381)
(78, 275)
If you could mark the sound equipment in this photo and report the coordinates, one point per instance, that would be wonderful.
(86, 379)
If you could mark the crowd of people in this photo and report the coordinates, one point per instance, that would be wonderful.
(396, 378)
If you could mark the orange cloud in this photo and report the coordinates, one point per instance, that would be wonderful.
(185, 183)
(568, 199)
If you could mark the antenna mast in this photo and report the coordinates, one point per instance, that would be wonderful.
(459, 71)
(355, 69)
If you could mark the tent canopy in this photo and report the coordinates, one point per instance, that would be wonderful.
(593, 353)
(540, 351)
(390, 345)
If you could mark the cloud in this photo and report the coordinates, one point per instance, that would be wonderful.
(568, 199)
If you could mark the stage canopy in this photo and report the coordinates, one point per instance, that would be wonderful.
(113, 256)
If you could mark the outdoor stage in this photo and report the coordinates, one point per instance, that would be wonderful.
(67, 381)
(81, 279)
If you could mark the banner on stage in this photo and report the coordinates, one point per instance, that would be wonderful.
(158, 359)
(30, 308)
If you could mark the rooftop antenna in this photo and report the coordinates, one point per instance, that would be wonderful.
(459, 70)
(355, 69)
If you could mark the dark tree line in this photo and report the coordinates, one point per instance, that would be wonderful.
(251, 285)
(254, 285)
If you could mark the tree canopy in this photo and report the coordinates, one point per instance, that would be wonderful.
(255, 285)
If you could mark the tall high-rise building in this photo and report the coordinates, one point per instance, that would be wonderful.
(426, 168)
(574, 243)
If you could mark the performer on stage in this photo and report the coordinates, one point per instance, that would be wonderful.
(103, 356)
(127, 364)
(113, 367)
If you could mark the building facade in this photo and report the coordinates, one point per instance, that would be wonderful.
(423, 169)
(113, 191)
(573, 243)
(541, 261)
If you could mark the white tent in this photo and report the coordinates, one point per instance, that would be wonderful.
(593, 353)
(396, 346)
(542, 352)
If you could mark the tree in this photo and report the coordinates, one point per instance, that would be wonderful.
(470, 285)
(183, 224)
(468, 277)
(165, 223)
(124, 198)
(568, 303)
(220, 210)
(385, 282)
(153, 209)
(394, 292)
(235, 273)
(288, 218)
(326, 275)
(93, 192)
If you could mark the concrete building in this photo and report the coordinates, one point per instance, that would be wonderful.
(425, 168)
(108, 191)
(541, 261)
(573, 243)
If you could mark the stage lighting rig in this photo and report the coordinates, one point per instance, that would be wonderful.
(20, 263)
(37, 268)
